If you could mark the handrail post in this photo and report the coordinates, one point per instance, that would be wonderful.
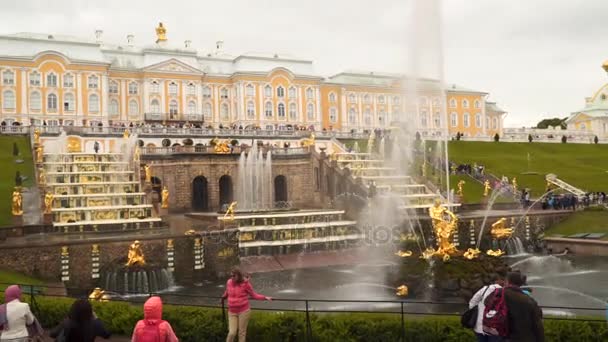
(308, 326)
(223, 314)
(402, 324)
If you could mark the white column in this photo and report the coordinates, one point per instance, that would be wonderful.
(79, 95)
(343, 110)
(483, 116)
(182, 95)
(360, 115)
(374, 111)
(104, 97)
(24, 83)
(163, 95)
(124, 89)
(319, 117)
(199, 99)
(145, 102)
(241, 102)
(216, 103)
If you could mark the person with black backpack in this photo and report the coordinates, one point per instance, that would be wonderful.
(477, 307)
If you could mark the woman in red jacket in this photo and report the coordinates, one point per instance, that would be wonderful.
(238, 291)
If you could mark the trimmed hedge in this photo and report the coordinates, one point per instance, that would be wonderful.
(205, 324)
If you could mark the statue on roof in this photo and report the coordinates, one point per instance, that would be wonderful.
(161, 33)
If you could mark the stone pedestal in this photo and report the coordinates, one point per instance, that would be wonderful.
(18, 220)
(163, 212)
(47, 219)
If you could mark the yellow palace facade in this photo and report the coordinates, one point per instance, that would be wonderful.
(61, 80)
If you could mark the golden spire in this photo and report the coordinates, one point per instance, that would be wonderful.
(161, 33)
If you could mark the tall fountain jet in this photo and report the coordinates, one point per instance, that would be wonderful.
(254, 185)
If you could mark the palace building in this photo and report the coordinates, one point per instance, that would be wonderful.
(61, 80)
(593, 119)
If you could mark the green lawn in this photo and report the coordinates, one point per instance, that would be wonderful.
(8, 278)
(9, 168)
(587, 221)
(582, 165)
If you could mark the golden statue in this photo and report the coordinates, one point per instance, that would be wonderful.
(36, 136)
(402, 291)
(370, 143)
(135, 256)
(64, 251)
(230, 211)
(148, 172)
(486, 188)
(310, 141)
(222, 147)
(126, 134)
(161, 33)
(41, 176)
(461, 183)
(48, 202)
(170, 244)
(17, 202)
(190, 232)
(74, 145)
(428, 253)
(99, 295)
(499, 229)
(95, 249)
(39, 154)
(443, 228)
(358, 170)
(514, 183)
(136, 154)
(403, 254)
(495, 253)
(164, 198)
(471, 253)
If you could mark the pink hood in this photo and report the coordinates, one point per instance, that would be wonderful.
(153, 310)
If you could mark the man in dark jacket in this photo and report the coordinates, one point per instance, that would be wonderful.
(525, 316)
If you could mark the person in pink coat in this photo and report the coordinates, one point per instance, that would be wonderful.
(238, 291)
(153, 328)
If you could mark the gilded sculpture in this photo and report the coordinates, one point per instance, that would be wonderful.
(310, 141)
(17, 202)
(486, 188)
(471, 253)
(461, 184)
(444, 228)
(136, 255)
(161, 33)
(495, 253)
(36, 136)
(230, 211)
(39, 154)
(136, 154)
(126, 134)
(403, 254)
(164, 198)
(514, 183)
(74, 145)
(41, 176)
(370, 142)
(499, 229)
(402, 291)
(148, 172)
(99, 295)
(48, 202)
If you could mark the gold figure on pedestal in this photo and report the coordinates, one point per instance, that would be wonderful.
(444, 228)
(471, 253)
(41, 176)
(370, 142)
(402, 291)
(17, 202)
(36, 136)
(148, 172)
(461, 184)
(135, 256)
(514, 183)
(161, 33)
(495, 253)
(164, 198)
(230, 211)
(39, 154)
(499, 229)
(486, 188)
(48, 202)
(220, 146)
(404, 254)
(126, 134)
(99, 295)
(136, 154)
(310, 141)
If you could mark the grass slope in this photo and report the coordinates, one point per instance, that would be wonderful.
(587, 221)
(8, 278)
(584, 166)
(8, 170)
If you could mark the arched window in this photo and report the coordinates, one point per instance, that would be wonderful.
(268, 109)
(381, 99)
(436, 102)
(35, 79)
(206, 92)
(267, 91)
(250, 110)
(113, 108)
(224, 94)
(191, 89)
(333, 115)
(310, 112)
(173, 88)
(478, 120)
(367, 98)
(133, 108)
(477, 104)
(280, 91)
(113, 89)
(454, 119)
(191, 107)
(154, 87)
(351, 97)
(352, 116)
(367, 117)
(155, 106)
(423, 118)
(133, 88)
(310, 94)
(35, 101)
(249, 90)
(225, 113)
(332, 98)
(465, 120)
(293, 112)
(68, 102)
(93, 103)
(424, 101)
(396, 100)
(51, 80)
(51, 103)
(452, 103)
(437, 120)
(68, 81)
(8, 77)
(382, 117)
(465, 103)
(207, 110)
(495, 123)
(93, 82)
(173, 109)
(281, 110)
(292, 93)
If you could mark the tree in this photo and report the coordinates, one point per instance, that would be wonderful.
(564, 139)
(496, 137)
(530, 138)
(596, 140)
(555, 122)
(15, 149)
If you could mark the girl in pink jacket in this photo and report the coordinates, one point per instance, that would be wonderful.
(153, 328)
(238, 291)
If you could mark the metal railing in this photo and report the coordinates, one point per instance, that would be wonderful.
(211, 150)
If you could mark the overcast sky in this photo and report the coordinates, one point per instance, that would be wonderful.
(536, 58)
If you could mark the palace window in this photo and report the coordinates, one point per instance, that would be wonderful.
(423, 118)
(494, 123)
(352, 116)
(173, 109)
(436, 102)
(225, 112)
(93, 103)
(191, 89)
(51, 103)
(35, 101)
(281, 110)
(133, 108)
(93, 82)
(293, 112)
(310, 112)
(292, 93)
(478, 120)
(8, 78)
(465, 120)
(396, 100)
(250, 90)
(68, 102)
(280, 91)
(133, 88)
(154, 87)
(367, 117)
(477, 104)
(207, 110)
(51, 80)
(173, 88)
(113, 89)
(437, 119)
(250, 110)
(68, 81)
(424, 101)
(206, 92)
(452, 103)
(454, 119)
(381, 99)
(465, 103)
(332, 98)
(35, 79)
(224, 94)
(191, 107)
(351, 98)
(155, 106)
(333, 115)
(113, 107)
(267, 91)
(310, 94)
(268, 109)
